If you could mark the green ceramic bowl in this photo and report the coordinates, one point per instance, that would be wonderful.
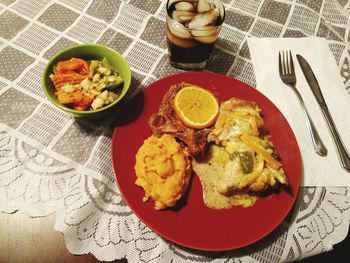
(87, 52)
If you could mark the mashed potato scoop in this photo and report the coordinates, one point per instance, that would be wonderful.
(163, 170)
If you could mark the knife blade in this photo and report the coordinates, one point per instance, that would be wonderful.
(311, 79)
(343, 154)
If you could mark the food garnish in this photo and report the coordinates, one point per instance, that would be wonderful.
(163, 170)
(196, 107)
(84, 85)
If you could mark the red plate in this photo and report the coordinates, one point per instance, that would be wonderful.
(191, 223)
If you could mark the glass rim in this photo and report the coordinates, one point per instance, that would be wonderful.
(221, 2)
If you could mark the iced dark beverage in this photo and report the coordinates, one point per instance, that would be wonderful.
(193, 26)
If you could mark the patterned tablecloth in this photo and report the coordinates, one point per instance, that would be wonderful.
(52, 163)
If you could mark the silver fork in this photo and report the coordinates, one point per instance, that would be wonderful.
(287, 74)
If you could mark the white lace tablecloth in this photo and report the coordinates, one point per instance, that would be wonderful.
(52, 163)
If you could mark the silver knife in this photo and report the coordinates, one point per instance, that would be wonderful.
(343, 154)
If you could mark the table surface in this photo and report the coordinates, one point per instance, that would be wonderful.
(46, 170)
(24, 239)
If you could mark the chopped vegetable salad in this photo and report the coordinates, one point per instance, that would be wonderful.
(86, 85)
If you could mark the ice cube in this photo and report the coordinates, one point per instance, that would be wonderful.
(204, 31)
(181, 42)
(203, 6)
(184, 6)
(204, 19)
(178, 29)
(183, 16)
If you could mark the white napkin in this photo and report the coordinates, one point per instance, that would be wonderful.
(318, 171)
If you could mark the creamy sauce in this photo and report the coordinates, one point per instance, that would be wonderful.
(208, 173)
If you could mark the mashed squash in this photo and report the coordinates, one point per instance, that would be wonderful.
(163, 170)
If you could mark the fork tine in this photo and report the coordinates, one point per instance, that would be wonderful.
(284, 65)
(286, 62)
(280, 65)
(291, 63)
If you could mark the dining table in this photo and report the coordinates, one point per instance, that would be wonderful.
(59, 198)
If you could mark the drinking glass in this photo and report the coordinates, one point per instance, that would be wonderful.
(192, 28)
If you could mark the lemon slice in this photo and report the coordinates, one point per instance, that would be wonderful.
(196, 107)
